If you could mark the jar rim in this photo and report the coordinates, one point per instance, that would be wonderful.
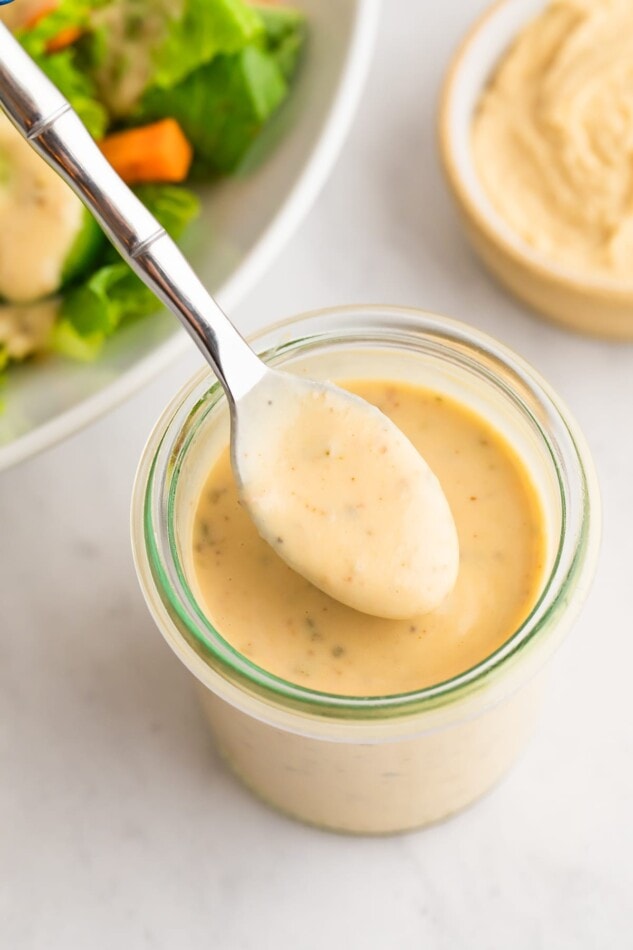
(157, 481)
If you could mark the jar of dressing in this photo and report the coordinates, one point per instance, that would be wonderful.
(372, 763)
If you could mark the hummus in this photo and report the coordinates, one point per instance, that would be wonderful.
(553, 136)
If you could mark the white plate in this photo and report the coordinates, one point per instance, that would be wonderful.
(244, 224)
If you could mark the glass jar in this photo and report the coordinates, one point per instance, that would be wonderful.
(384, 763)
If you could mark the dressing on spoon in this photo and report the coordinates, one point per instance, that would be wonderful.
(345, 498)
(368, 522)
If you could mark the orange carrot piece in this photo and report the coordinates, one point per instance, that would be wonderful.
(63, 39)
(159, 152)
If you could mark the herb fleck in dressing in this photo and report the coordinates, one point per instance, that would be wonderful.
(287, 626)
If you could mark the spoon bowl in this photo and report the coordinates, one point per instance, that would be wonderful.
(344, 497)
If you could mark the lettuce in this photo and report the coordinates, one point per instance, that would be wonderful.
(61, 68)
(68, 13)
(78, 89)
(205, 29)
(168, 45)
(222, 106)
(284, 36)
(93, 310)
(219, 67)
(67, 341)
(173, 206)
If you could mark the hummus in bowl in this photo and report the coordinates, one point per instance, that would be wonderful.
(536, 131)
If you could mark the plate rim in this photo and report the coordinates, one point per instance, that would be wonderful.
(293, 210)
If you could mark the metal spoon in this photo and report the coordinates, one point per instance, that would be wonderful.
(409, 563)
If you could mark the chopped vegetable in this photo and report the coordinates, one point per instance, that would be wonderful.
(63, 39)
(108, 296)
(205, 29)
(285, 32)
(170, 90)
(53, 18)
(132, 47)
(66, 36)
(150, 153)
(93, 310)
(78, 89)
(174, 207)
(85, 250)
(222, 106)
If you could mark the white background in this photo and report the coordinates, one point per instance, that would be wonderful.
(119, 827)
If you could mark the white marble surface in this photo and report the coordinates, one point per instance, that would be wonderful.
(119, 827)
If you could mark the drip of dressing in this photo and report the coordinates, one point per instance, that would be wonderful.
(41, 218)
(346, 499)
(135, 30)
(25, 329)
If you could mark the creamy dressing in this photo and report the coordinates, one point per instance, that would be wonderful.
(41, 218)
(340, 492)
(26, 328)
(135, 30)
(286, 625)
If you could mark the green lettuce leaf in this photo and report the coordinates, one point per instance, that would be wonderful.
(162, 47)
(78, 89)
(173, 206)
(61, 68)
(93, 310)
(284, 36)
(100, 304)
(205, 29)
(67, 13)
(222, 106)
(67, 341)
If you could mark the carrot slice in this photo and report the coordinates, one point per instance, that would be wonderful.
(64, 38)
(150, 153)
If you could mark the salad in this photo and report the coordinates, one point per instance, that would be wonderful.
(174, 92)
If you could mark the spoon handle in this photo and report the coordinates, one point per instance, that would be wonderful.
(52, 127)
